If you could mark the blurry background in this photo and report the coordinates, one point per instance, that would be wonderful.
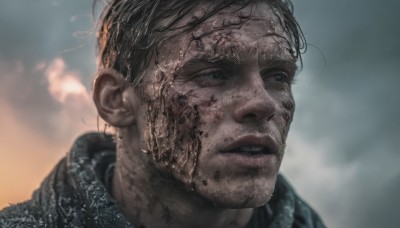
(342, 154)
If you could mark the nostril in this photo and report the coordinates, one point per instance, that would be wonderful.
(254, 111)
(255, 108)
(250, 117)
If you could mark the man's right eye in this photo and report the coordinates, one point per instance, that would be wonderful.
(210, 77)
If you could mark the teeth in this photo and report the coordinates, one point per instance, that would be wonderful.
(251, 148)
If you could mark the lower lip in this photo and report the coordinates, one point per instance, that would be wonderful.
(251, 161)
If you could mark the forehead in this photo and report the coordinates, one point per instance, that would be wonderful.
(235, 31)
(255, 19)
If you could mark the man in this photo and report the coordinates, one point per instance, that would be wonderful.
(199, 93)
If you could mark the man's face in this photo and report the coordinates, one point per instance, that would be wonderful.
(217, 106)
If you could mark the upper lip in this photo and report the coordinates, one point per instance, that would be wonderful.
(254, 141)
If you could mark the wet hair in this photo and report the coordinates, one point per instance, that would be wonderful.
(130, 31)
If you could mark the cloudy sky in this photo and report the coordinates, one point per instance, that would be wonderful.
(342, 154)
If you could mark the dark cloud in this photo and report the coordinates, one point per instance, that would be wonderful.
(32, 31)
(37, 32)
(348, 108)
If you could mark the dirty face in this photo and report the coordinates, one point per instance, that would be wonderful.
(217, 106)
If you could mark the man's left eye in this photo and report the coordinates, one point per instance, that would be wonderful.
(275, 77)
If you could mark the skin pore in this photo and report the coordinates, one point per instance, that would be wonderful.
(227, 80)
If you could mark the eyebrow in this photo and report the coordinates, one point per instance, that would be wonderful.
(274, 62)
(285, 63)
(221, 60)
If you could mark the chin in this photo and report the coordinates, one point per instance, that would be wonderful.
(245, 194)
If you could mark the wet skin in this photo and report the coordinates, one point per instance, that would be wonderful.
(222, 86)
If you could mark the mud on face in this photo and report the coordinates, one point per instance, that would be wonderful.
(174, 135)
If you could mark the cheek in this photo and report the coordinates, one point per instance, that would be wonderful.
(173, 139)
(288, 107)
(211, 108)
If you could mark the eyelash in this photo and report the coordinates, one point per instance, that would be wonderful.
(202, 79)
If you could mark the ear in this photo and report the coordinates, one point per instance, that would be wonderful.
(111, 96)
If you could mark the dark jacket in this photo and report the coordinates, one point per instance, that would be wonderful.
(75, 195)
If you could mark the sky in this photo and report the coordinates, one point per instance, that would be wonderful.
(342, 155)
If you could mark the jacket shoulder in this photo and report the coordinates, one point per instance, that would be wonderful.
(305, 216)
(23, 214)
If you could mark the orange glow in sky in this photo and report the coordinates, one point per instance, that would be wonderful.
(27, 155)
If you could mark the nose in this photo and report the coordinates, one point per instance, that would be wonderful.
(256, 105)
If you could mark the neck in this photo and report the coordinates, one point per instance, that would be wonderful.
(152, 200)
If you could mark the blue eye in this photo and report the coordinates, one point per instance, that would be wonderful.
(279, 77)
(275, 77)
